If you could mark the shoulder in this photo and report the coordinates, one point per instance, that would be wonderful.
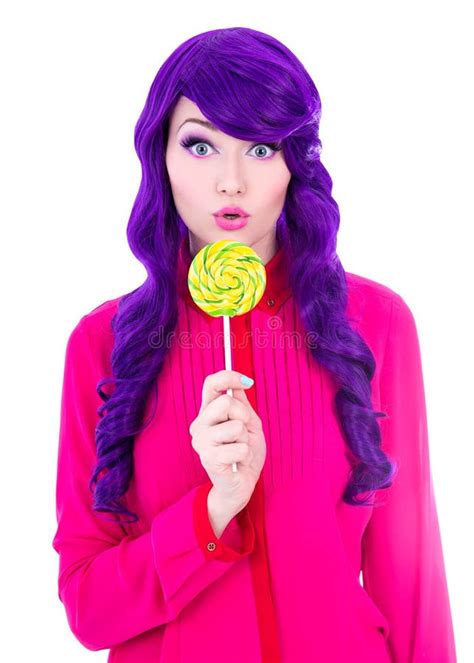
(101, 316)
(99, 319)
(365, 295)
(93, 333)
(377, 310)
(358, 284)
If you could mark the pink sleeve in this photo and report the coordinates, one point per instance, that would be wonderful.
(115, 586)
(403, 566)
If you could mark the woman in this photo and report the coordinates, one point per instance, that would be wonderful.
(199, 563)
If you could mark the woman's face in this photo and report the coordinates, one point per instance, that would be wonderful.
(222, 171)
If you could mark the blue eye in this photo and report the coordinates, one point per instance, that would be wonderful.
(191, 141)
(273, 146)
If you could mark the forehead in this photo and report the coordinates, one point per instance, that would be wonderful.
(185, 108)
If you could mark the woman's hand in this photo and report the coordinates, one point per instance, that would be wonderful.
(226, 430)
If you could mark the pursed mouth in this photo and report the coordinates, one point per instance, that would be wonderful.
(230, 222)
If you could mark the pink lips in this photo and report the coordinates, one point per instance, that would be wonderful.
(231, 224)
(231, 210)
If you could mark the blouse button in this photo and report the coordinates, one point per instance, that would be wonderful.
(211, 546)
(270, 302)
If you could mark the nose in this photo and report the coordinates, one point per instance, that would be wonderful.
(231, 190)
(231, 185)
(231, 180)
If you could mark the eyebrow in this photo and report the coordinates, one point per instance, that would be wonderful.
(203, 123)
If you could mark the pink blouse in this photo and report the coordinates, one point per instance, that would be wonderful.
(281, 584)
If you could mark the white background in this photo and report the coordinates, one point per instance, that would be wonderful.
(396, 128)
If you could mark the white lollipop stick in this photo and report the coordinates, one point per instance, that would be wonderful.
(228, 361)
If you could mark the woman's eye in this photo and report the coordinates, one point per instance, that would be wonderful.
(274, 147)
(202, 146)
(200, 143)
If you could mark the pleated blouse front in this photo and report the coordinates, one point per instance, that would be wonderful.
(282, 583)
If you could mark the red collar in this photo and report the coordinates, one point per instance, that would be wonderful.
(277, 288)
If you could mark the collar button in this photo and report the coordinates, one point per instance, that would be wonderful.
(271, 302)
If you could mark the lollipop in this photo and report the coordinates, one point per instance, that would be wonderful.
(227, 278)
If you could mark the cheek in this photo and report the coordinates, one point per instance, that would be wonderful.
(185, 180)
(275, 186)
(271, 179)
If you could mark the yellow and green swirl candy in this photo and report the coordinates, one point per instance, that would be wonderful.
(226, 278)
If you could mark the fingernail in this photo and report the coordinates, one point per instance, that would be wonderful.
(248, 382)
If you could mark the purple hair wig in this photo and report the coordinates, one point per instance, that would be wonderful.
(278, 102)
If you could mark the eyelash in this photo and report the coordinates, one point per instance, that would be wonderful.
(190, 141)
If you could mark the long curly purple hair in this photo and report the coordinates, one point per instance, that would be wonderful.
(278, 101)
